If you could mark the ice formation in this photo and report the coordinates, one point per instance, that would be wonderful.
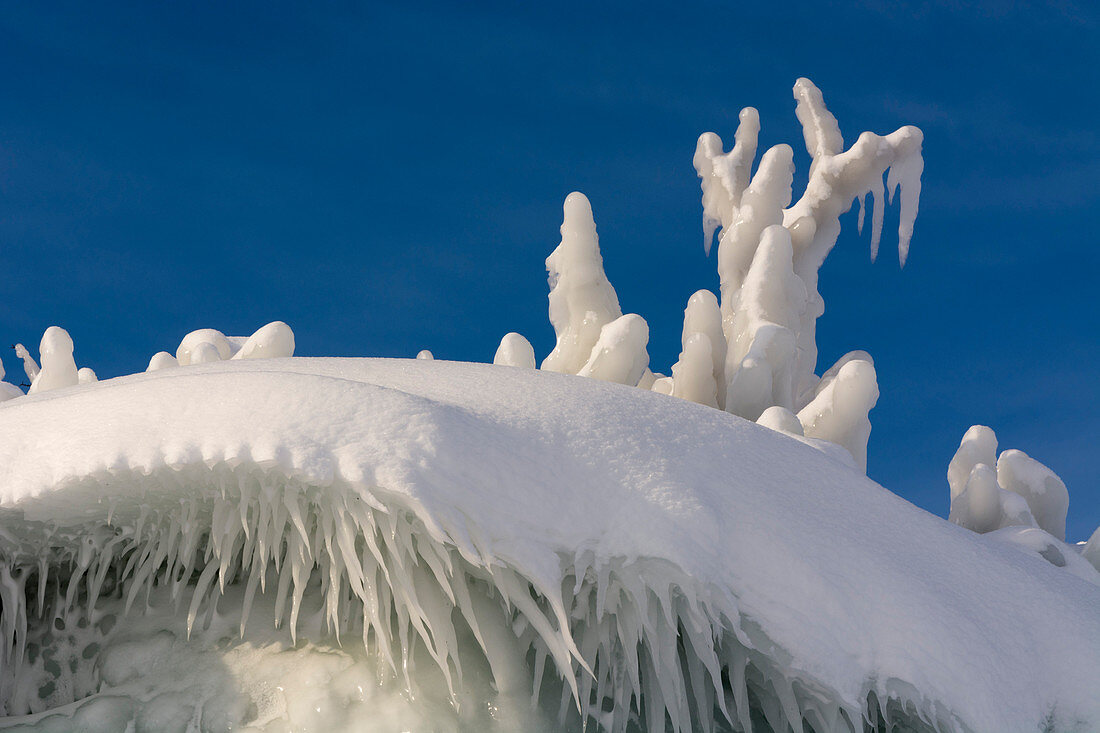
(203, 346)
(161, 360)
(761, 332)
(30, 366)
(270, 342)
(515, 350)
(378, 545)
(1016, 500)
(58, 367)
(1013, 490)
(7, 389)
(582, 300)
(619, 354)
(478, 535)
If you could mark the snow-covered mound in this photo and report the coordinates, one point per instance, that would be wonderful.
(476, 532)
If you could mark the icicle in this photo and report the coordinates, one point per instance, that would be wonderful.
(200, 593)
(819, 127)
(878, 210)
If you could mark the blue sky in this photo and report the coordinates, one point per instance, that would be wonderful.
(387, 179)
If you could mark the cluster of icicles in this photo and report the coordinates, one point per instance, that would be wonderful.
(624, 647)
(752, 352)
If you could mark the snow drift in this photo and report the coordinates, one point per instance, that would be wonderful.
(611, 553)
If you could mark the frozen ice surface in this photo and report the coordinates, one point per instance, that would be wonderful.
(714, 552)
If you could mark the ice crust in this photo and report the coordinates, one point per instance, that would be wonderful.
(617, 524)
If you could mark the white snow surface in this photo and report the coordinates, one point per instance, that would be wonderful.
(856, 588)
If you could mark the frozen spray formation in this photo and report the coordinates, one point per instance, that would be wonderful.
(761, 334)
(352, 534)
(334, 545)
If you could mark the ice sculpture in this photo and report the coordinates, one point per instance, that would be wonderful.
(761, 333)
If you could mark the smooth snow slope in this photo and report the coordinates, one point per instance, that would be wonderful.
(542, 474)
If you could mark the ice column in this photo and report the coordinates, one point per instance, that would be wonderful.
(703, 317)
(582, 300)
(58, 367)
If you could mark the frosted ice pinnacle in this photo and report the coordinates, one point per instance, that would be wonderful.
(58, 367)
(241, 540)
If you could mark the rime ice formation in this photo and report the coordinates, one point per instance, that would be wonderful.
(838, 412)
(1019, 502)
(161, 360)
(761, 332)
(515, 350)
(781, 419)
(693, 374)
(7, 389)
(375, 545)
(1046, 495)
(1014, 490)
(203, 345)
(582, 300)
(270, 342)
(479, 537)
(1091, 550)
(29, 364)
(208, 345)
(619, 354)
(58, 367)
